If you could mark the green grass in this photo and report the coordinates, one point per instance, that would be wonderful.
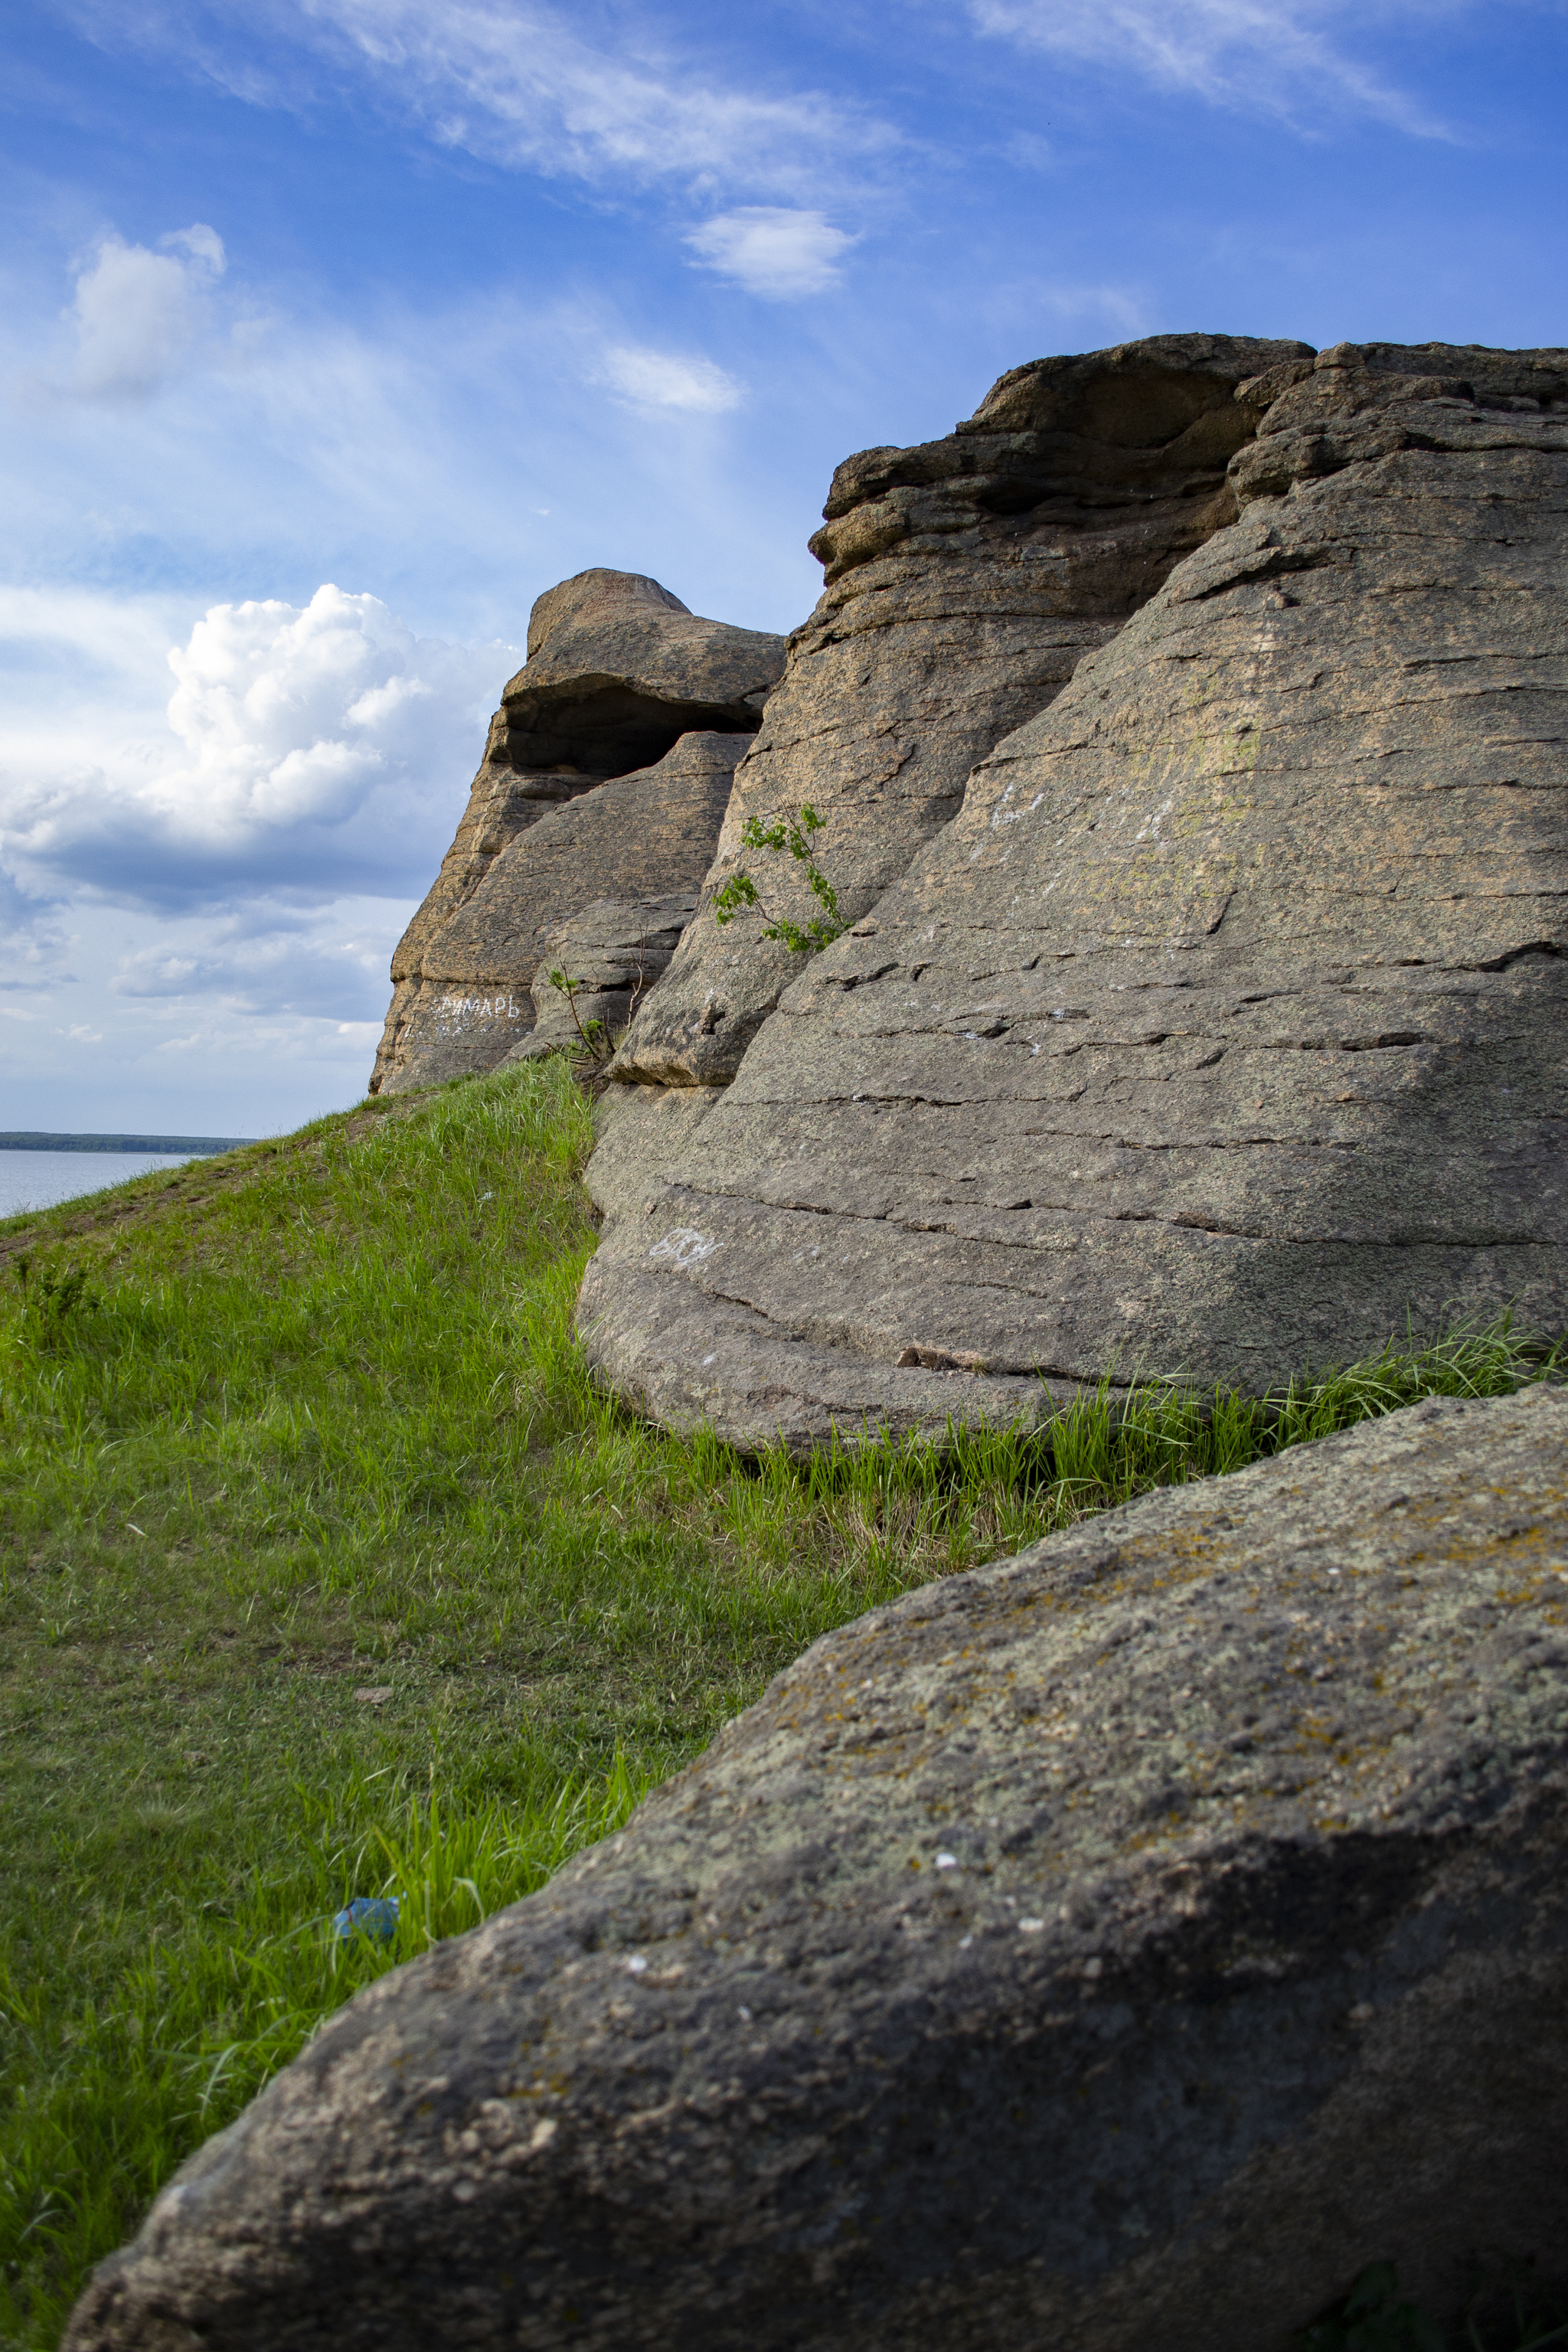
(306, 1424)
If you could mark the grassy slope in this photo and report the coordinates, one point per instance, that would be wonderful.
(307, 1424)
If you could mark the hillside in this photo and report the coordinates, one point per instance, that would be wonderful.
(324, 1570)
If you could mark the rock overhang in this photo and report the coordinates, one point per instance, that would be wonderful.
(620, 675)
(618, 669)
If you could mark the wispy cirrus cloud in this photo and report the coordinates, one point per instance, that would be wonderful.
(644, 378)
(1291, 57)
(526, 87)
(268, 958)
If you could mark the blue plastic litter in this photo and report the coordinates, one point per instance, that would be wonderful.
(368, 1914)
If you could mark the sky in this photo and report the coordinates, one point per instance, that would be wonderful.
(334, 332)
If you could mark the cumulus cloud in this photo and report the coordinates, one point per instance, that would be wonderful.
(772, 251)
(137, 313)
(1279, 54)
(520, 84)
(651, 379)
(322, 746)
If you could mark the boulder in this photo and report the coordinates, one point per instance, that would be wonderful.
(646, 836)
(1119, 1947)
(1222, 1033)
(617, 670)
(965, 579)
(612, 954)
(642, 1133)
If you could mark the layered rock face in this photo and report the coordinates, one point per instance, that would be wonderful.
(651, 832)
(966, 578)
(1118, 1948)
(1223, 1033)
(617, 671)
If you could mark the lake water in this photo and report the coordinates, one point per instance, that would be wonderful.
(37, 1180)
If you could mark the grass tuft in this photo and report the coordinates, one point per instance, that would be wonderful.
(108, 2097)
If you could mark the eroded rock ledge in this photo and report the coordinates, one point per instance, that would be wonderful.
(1222, 1032)
(617, 672)
(966, 579)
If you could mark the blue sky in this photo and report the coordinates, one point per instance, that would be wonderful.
(334, 331)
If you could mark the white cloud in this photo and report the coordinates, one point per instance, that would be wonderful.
(518, 84)
(651, 379)
(269, 959)
(1278, 55)
(230, 1024)
(36, 944)
(137, 313)
(772, 251)
(324, 746)
(203, 244)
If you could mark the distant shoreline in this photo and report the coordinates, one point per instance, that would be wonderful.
(189, 1147)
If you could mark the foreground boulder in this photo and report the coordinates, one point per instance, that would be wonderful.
(646, 836)
(617, 671)
(1223, 1032)
(965, 580)
(1116, 1948)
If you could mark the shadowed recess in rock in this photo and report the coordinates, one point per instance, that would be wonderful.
(639, 836)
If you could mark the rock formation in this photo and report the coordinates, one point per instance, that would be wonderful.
(651, 831)
(1222, 1032)
(617, 672)
(965, 580)
(1117, 1948)
(612, 954)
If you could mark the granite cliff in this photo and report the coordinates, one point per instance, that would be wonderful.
(1219, 1029)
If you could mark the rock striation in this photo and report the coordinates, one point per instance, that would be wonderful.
(965, 580)
(613, 953)
(617, 671)
(1223, 1032)
(1118, 1946)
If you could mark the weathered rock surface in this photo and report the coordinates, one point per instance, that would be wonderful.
(643, 1133)
(649, 834)
(617, 670)
(966, 578)
(1115, 1948)
(613, 952)
(1225, 1030)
